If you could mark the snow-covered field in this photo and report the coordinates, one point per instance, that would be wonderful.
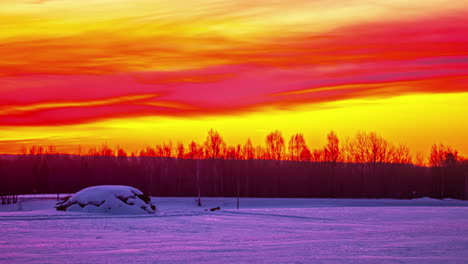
(262, 231)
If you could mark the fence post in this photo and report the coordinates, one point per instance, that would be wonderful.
(198, 182)
(466, 185)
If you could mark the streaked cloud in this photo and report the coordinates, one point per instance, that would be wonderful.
(66, 62)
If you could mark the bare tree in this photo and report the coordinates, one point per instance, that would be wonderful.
(79, 150)
(121, 152)
(238, 152)
(275, 145)
(370, 148)
(306, 155)
(180, 150)
(214, 145)
(317, 155)
(261, 153)
(159, 150)
(419, 160)
(23, 150)
(33, 150)
(230, 153)
(297, 146)
(148, 152)
(106, 151)
(167, 150)
(51, 150)
(248, 151)
(93, 151)
(402, 154)
(40, 150)
(332, 150)
(442, 156)
(194, 151)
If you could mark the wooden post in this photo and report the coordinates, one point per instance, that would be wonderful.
(442, 183)
(198, 182)
(466, 185)
(20, 204)
(238, 188)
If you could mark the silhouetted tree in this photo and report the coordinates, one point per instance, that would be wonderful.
(442, 156)
(317, 155)
(51, 150)
(180, 150)
(40, 150)
(230, 153)
(33, 150)
(121, 152)
(106, 151)
(248, 150)
(93, 152)
(193, 152)
(332, 149)
(419, 160)
(23, 150)
(167, 150)
(261, 153)
(297, 146)
(239, 151)
(306, 155)
(370, 148)
(402, 154)
(275, 145)
(79, 150)
(148, 152)
(159, 150)
(214, 145)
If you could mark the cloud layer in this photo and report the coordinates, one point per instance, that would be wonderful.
(68, 63)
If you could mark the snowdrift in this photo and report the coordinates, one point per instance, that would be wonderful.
(111, 199)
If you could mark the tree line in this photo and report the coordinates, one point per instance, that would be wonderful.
(364, 147)
(365, 166)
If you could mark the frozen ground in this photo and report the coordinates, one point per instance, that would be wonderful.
(262, 231)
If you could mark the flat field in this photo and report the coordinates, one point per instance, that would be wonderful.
(261, 231)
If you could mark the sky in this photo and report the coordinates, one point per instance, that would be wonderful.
(141, 72)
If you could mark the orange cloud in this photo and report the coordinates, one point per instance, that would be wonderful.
(20, 109)
(64, 62)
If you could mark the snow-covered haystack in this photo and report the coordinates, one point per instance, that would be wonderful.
(111, 199)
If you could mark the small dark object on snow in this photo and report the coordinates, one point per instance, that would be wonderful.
(213, 209)
(60, 206)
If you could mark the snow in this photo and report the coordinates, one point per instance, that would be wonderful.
(111, 199)
(262, 231)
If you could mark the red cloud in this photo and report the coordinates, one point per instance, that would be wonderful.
(55, 82)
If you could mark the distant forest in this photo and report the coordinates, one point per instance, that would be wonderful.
(365, 166)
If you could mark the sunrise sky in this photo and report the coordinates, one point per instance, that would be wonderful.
(136, 72)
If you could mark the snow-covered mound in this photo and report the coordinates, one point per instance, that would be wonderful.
(112, 199)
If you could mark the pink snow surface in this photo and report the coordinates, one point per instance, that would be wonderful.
(262, 231)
